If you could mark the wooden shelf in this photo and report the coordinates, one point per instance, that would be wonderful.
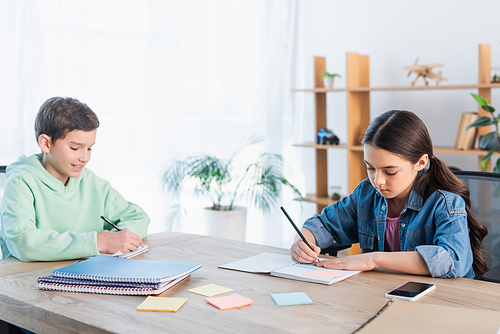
(312, 198)
(437, 149)
(321, 147)
(358, 92)
(452, 150)
(368, 89)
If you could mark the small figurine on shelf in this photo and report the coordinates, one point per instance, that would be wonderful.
(335, 197)
(495, 74)
(327, 137)
(335, 191)
(425, 71)
(328, 78)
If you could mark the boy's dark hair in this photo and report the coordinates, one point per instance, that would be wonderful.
(403, 133)
(59, 115)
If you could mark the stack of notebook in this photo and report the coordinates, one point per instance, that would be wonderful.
(115, 275)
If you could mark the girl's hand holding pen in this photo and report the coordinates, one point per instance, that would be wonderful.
(301, 252)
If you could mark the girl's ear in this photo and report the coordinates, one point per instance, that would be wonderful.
(45, 143)
(422, 162)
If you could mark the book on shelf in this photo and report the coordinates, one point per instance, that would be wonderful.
(466, 139)
(280, 265)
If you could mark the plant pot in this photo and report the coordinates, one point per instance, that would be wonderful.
(328, 82)
(226, 224)
(492, 145)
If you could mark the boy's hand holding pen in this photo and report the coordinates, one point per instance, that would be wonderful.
(123, 240)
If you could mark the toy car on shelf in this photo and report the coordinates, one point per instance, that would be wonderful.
(326, 137)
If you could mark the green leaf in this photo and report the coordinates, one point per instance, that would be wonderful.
(486, 139)
(331, 75)
(489, 109)
(482, 101)
(481, 121)
(486, 159)
(497, 170)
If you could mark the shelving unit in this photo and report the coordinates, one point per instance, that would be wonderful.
(358, 117)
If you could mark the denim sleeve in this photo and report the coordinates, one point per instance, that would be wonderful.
(438, 261)
(323, 237)
(451, 254)
(337, 223)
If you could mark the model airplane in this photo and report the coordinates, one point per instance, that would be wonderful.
(425, 71)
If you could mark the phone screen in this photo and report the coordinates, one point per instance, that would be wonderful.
(410, 289)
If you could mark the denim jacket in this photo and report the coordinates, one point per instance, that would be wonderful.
(437, 229)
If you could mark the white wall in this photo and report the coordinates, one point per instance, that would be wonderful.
(394, 34)
(42, 52)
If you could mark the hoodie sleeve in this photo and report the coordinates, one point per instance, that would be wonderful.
(21, 238)
(129, 216)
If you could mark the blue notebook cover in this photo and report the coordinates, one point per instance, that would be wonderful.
(116, 269)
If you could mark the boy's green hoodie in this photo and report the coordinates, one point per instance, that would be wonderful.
(43, 220)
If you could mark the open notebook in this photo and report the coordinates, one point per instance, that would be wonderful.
(128, 255)
(283, 266)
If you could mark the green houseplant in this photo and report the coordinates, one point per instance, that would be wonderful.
(328, 78)
(225, 181)
(487, 138)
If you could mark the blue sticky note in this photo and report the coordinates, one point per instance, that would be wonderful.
(292, 298)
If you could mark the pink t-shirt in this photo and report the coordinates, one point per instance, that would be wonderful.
(392, 235)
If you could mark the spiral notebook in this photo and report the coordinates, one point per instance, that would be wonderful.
(283, 266)
(112, 288)
(117, 269)
(75, 281)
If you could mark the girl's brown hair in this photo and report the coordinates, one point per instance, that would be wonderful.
(403, 133)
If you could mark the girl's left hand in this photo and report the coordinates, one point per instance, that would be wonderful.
(361, 262)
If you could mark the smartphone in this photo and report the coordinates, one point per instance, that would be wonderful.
(411, 291)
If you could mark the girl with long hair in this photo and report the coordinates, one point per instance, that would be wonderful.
(412, 214)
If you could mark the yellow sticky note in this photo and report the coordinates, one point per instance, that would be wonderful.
(161, 304)
(210, 290)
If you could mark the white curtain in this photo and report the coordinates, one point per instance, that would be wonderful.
(164, 77)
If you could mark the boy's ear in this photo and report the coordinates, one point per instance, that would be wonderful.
(422, 162)
(45, 143)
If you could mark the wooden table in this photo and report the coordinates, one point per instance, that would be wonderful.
(339, 308)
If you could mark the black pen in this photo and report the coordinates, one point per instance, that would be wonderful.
(297, 229)
(110, 223)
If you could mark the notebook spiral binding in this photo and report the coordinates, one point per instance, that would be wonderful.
(286, 266)
(112, 290)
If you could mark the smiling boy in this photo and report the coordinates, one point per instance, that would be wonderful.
(52, 204)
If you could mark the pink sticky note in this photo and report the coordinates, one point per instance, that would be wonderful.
(228, 302)
(323, 273)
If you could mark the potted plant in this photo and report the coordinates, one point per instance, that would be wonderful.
(225, 182)
(328, 78)
(484, 141)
